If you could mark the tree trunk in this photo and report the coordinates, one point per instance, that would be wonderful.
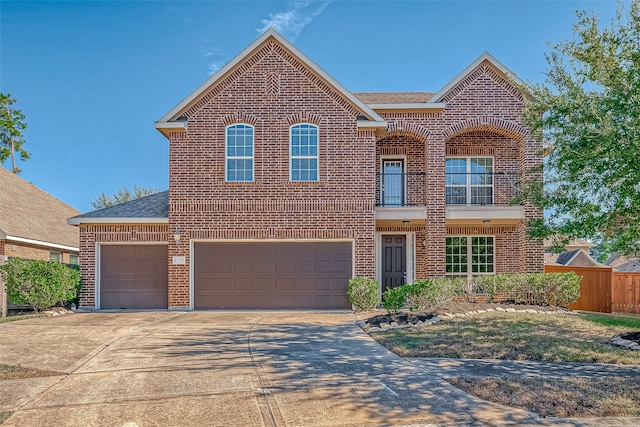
(15, 170)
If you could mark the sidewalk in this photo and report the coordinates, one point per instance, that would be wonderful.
(467, 368)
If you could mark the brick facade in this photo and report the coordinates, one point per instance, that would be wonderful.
(27, 251)
(272, 89)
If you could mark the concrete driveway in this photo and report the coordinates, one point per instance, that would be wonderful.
(226, 369)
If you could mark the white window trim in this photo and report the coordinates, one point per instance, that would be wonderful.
(59, 256)
(292, 157)
(470, 272)
(252, 157)
(468, 172)
(404, 174)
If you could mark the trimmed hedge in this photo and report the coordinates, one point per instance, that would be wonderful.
(41, 284)
(364, 293)
(559, 289)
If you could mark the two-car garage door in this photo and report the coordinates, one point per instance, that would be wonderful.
(251, 275)
(297, 275)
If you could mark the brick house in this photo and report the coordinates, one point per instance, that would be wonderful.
(33, 223)
(283, 185)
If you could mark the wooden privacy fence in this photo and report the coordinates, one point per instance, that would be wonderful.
(595, 288)
(625, 292)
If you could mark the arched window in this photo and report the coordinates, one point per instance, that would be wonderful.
(239, 153)
(304, 152)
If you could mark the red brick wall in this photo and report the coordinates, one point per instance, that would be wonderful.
(110, 233)
(339, 206)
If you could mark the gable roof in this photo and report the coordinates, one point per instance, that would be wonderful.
(486, 56)
(148, 209)
(29, 213)
(573, 243)
(629, 267)
(393, 97)
(567, 256)
(170, 121)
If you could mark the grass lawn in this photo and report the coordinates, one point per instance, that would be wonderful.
(518, 336)
(570, 397)
(21, 317)
(9, 372)
(4, 416)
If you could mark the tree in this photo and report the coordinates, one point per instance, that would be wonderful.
(122, 195)
(12, 127)
(588, 114)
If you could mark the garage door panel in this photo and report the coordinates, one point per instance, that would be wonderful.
(134, 276)
(295, 275)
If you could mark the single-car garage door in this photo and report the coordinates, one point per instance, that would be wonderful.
(134, 276)
(297, 275)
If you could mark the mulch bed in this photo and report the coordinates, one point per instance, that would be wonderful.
(631, 336)
(399, 318)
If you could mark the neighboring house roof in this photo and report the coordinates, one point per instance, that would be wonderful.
(171, 120)
(32, 215)
(568, 257)
(630, 267)
(486, 56)
(616, 260)
(393, 97)
(148, 209)
(612, 258)
(573, 243)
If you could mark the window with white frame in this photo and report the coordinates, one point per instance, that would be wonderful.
(55, 256)
(470, 255)
(469, 180)
(304, 153)
(239, 153)
(73, 259)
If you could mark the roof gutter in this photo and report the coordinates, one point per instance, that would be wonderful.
(40, 243)
(88, 220)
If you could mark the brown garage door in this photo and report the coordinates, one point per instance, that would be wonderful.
(298, 275)
(134, 276)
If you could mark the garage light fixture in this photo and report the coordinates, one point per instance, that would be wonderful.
(176, 236)
(406, 223)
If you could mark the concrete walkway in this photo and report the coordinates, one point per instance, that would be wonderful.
(459, 368)
(229, 369)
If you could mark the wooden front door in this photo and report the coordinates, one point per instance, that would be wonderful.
(394, 261)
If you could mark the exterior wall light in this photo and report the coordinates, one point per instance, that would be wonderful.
(176, 236)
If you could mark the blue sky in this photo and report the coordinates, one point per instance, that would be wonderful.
(92, 77)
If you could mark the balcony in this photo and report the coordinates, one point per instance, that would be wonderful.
(400, 189)
(400, 197)
(497, 188)
(474, 198)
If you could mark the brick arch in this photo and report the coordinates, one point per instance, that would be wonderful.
(487, 124)
(304, 117)
(408, 129)
(238, 117)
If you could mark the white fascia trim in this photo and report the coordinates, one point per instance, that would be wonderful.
(178, 109)
(77, 221)
(486, 56)
(418, 106)
(171, 125)
(41, 243)
(366, 124)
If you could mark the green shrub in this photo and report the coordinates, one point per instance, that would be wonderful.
(559, 289)
(40, 284)
(394, 299)
(364, 293)
(431, 293)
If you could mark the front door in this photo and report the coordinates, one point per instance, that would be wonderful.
(394, 261)
(393, 183)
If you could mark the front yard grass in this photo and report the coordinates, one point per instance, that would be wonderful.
(570, 397)
(4, 416)
(21, 317)
(518, 336)
(578, 337)
(10, 372)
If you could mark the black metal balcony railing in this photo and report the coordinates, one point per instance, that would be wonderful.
(408, 189)
(400, 189)
(498, 188)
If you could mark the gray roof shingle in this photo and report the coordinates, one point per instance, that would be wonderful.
(630, 267)
(566, 256)
(393, 97)
(153, 206)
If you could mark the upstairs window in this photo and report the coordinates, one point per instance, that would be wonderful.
(304, 153)
(239, 153)
(469, 180)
